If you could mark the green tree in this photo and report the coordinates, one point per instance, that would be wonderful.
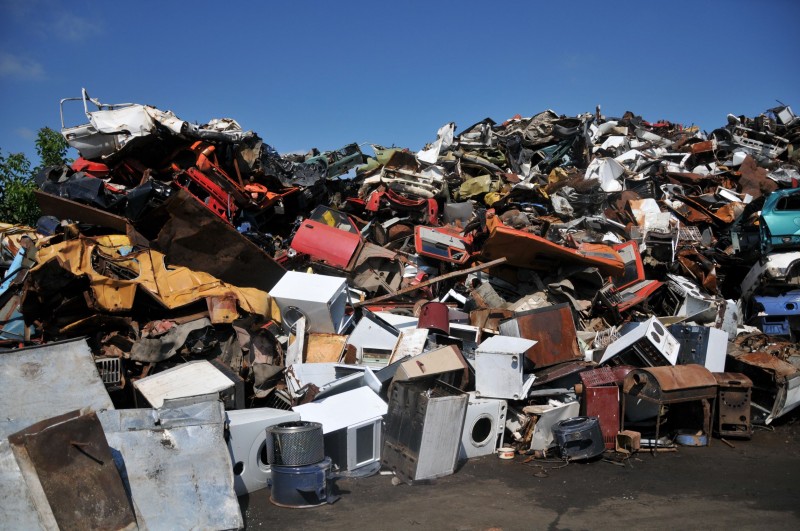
(17, 202)
(51, 147)
(17, 199)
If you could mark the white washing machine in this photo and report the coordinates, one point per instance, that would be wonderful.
(247, 445)
(484, 426)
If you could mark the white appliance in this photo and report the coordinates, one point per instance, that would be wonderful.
(649, 344)
(193, 378)
(484, 426)
(247, 445)
(356, 446)
(321, 299)
(499, 368)
(351, 423)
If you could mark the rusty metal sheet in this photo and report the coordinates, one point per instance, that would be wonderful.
(754, 180)
(689, 214)
(700, 267)
(769, 362)
(489, 318)
(553, 328)
(727, 214)
(665, 384)
(562, 370)
(700, 207)
(522, 249)
(70, 457)
(687, 177)
(196, 238)
(703, 147)
(605, 375)
(63, 208)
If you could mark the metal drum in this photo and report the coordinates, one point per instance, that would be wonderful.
(302, 486)
(296, 443)
(579, 437)
(435, 316)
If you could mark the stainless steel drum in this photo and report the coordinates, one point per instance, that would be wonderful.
(296, 443)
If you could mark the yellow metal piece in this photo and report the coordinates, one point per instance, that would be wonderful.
(115, 276)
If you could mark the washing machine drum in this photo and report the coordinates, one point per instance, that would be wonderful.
(579, 437)
(296, 443)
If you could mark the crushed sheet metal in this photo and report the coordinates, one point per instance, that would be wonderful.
(171, 286)
(19, 510)
(195, 238)
(526, 250)
(64, 208)
(177, 465)
(163, 347)
(73, 465)
(65, 369)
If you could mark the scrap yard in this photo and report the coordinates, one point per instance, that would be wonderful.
(586, 318)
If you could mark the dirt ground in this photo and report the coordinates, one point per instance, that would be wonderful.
(754, 485)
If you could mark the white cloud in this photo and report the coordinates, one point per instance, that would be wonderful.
(71, 27)
(25, 133)
(19, 68)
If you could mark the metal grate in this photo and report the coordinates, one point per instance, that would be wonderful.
(109, 369)
(689, 234)
(597, 377)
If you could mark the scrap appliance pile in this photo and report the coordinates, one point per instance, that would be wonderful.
(549, 286)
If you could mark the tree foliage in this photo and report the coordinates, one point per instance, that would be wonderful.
(17, 200)
(51, 147)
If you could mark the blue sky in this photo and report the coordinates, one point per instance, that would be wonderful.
(320, 74)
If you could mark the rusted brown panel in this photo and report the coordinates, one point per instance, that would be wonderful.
(554, 330)
(665, 384)
(605, 375)
(72, 460)
(526, 250)
(703, 147)
(691, 215)
(62, 208)
(754, 180)
(768, 361)
(196, 238)
(727, 214)
(489, 318)
(700, 267)
(562, 370)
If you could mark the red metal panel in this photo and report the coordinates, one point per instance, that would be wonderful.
(330, 245)
(603, 403)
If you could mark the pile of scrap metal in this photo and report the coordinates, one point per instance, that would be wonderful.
(548, 285)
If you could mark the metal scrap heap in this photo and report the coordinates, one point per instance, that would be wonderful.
(550, 286)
